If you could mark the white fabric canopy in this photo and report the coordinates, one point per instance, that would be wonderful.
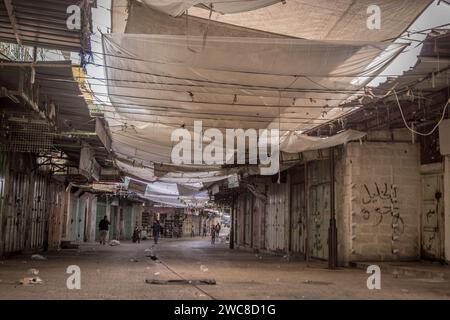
(168, 193)
(327, 19)
(297, 143)
(177, 7)
(179, 202)
(161, 83)
(136, 170)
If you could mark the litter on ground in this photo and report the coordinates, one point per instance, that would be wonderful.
(38, 257)
(33, 272)
(29, 281)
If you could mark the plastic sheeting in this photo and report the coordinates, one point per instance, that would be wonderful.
(177, 7)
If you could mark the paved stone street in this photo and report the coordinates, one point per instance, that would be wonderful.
(120, 273)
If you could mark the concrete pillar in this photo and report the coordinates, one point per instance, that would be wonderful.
(447, 208)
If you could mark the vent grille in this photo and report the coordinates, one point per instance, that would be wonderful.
(19, 134)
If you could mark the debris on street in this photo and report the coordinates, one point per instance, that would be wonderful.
(181, 282)
(114, 243)
(38, 257)
(31, 281)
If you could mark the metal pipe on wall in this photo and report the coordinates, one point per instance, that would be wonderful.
(332, 231)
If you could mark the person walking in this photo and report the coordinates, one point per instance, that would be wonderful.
(204, 229)
(218, 227)
(137, 234)
(104, 228)
(217, 230)
(213, 235)
(156, 230)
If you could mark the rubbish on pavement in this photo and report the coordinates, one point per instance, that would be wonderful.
(33, 280)
(203, 268)
(33, 272)
(114, 243)
(181, 282)
(38, 257)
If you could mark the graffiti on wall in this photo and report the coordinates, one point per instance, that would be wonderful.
(380, 202)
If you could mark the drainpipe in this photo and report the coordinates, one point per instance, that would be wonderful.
(332, 231)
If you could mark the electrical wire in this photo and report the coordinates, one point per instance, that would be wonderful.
(414, 131)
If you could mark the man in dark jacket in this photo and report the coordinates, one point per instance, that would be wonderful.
(156, 230)
(103, 227)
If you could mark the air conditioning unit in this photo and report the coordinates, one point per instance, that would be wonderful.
(444, 137)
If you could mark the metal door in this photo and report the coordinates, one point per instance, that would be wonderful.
(101, 212)
(81, 217)
(128, 227)
(432, 216)
(298, 218)
(73, 222)
(248, 220)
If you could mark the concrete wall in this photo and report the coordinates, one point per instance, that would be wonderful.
(381, 199)
(378, 205)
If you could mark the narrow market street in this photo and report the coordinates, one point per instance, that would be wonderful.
(120, 272)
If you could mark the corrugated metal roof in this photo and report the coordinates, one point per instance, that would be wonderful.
(58, 84)
(40, 23)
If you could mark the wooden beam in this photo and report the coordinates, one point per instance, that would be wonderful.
(12, 19)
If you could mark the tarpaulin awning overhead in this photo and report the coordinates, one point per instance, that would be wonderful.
(160, 83)
(198, 200)
(168, 193)
(42, 24)
(136, 170)
(327, 19)
(177, 7)
(295, 143)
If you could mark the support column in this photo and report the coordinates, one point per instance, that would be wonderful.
(233, 217)
(447, 208)
(108, 215)
(332, 231)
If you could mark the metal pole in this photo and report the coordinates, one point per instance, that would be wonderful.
(233, 217)
(332, 231)
(306, 199)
